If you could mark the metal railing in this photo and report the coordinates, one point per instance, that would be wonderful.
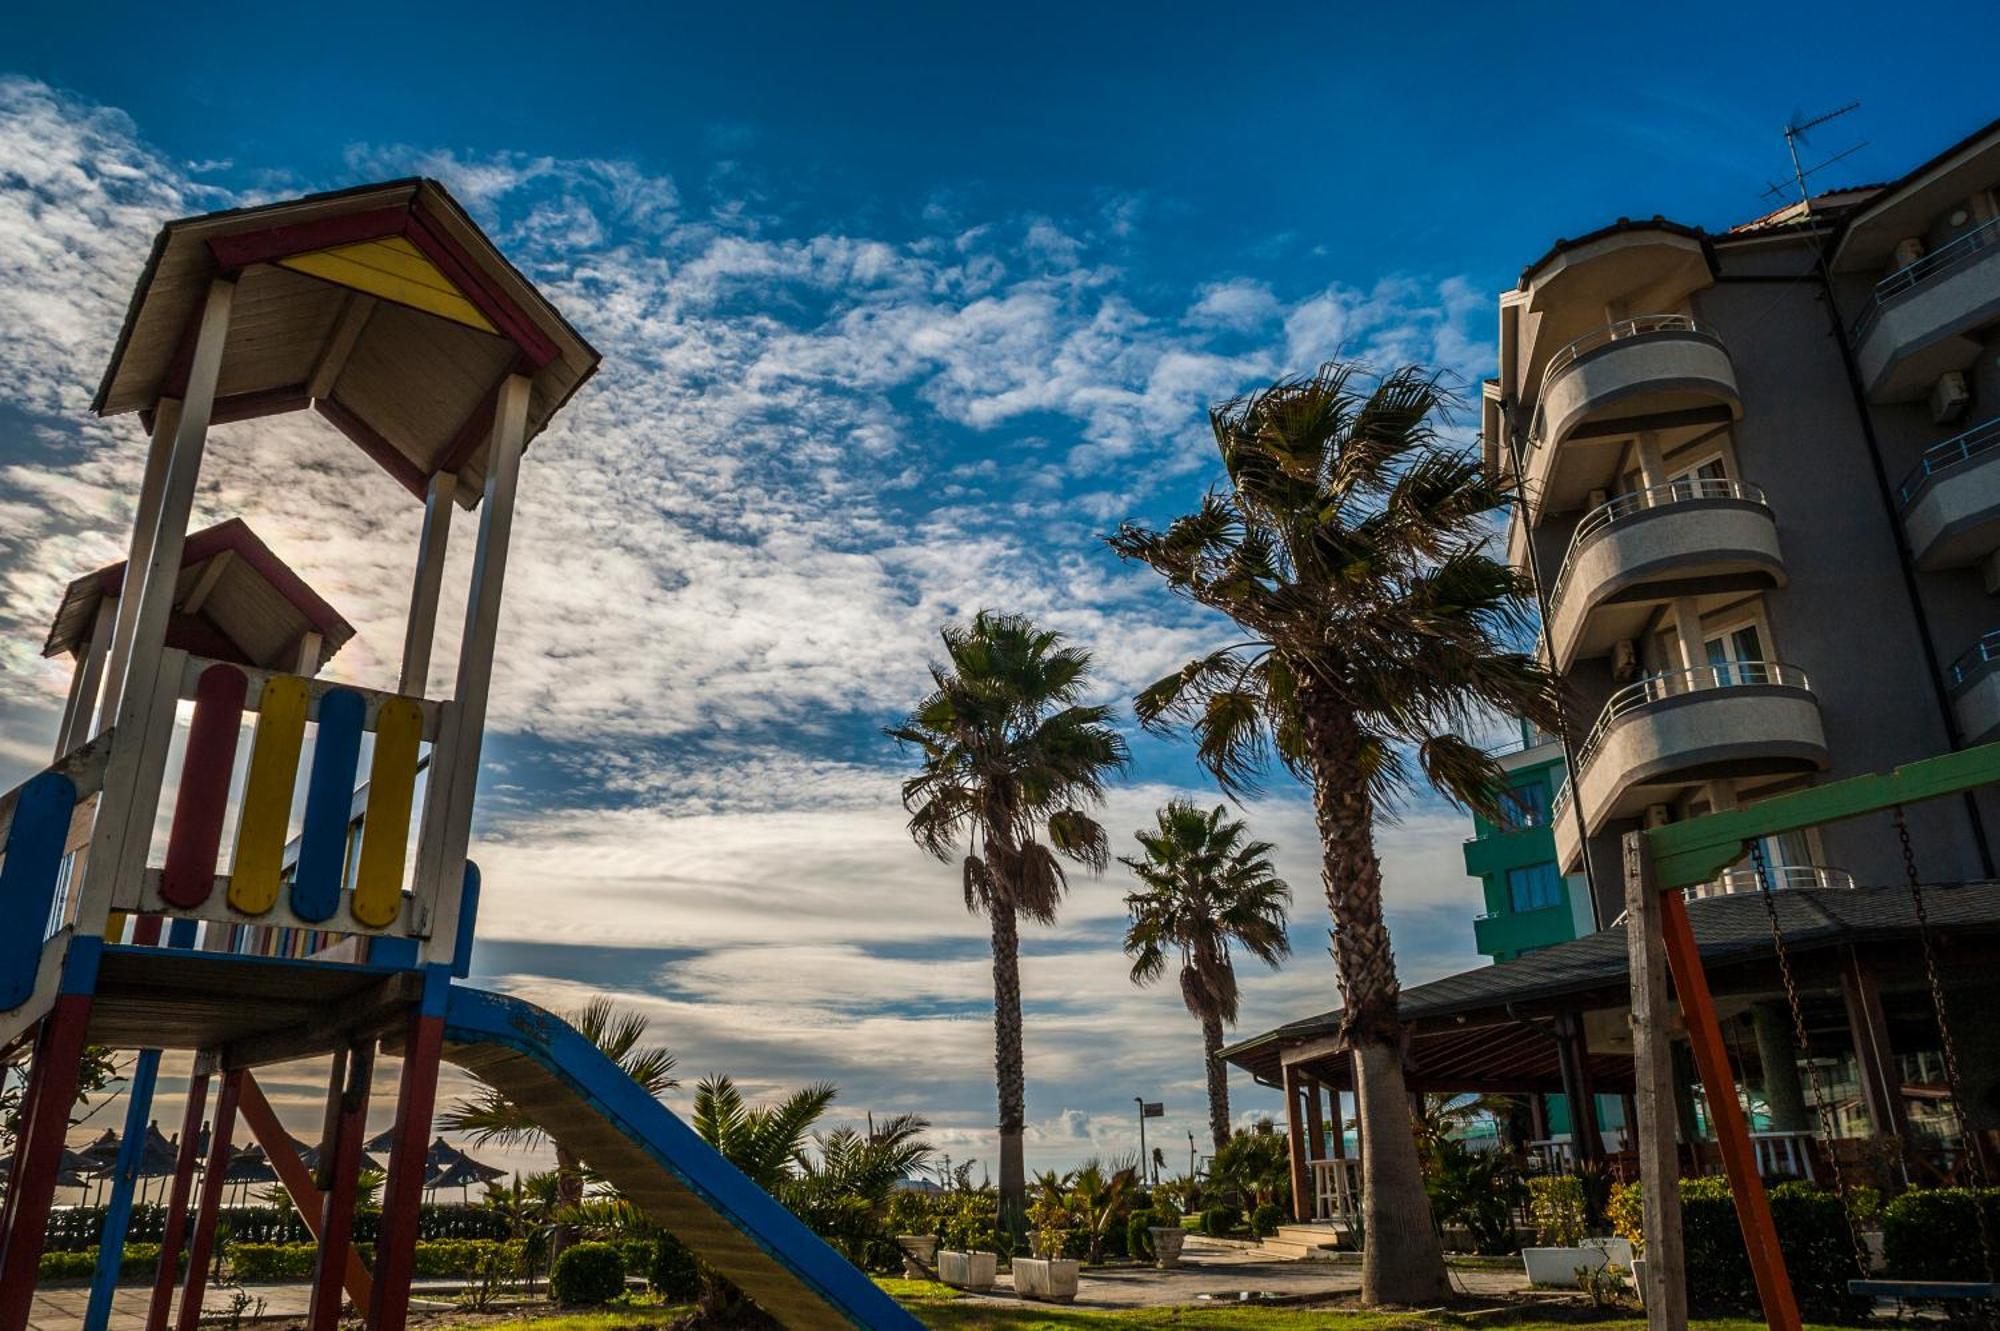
(1737, 882)
(1944, 456)
(1638, 326)
(1675, 683)
(1937, 263)
(1986, 649)
(1336, 1189)
(1642, 501)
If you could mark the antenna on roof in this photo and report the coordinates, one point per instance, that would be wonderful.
(1796, 133)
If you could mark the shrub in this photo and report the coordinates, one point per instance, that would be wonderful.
(1264, 1221)
(673, 1275)
(270, 1261)
(1220, 1221)
(1934, 1233)
(1477, 1189)
(1138, 1243)
(1812, 1235)
(69, 1265)
(1556, 1206)
(588, 1275)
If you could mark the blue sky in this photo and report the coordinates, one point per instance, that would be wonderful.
(902, 306)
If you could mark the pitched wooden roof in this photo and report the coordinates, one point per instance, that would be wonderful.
(234, 601)
(382, 307)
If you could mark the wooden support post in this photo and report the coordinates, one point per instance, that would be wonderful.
(1339, 1139)
(291, 1172)
(1732, 1133)
(80, 717)
(421, 633)
(1295, 1140)
(342, 1166)
(1665, 1291)
(166, 1275)
(209, 1210)
(447, 825)
(403, 1191)
(139, 553)
(125, 1179)
(44, 1124)
(1585, 1143)
(1881, 1082)
(1315, 1122)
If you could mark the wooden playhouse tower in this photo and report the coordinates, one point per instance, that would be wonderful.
(309, 906)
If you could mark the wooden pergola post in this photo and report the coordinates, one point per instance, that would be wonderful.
(1295, 1140)
(1664, 1289)
(1881, 1082)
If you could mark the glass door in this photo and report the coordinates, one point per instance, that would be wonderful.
(1737, 657)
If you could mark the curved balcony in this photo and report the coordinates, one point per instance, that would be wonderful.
(1917, 319)
(1782, 877)
(1974, 681)
(1692, 537)
(1739, 720)
(1658, 371)
(1951, 500)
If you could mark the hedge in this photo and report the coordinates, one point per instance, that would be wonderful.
(139, 1262)
(1934, 1234)
(1813, 1235)
(434, 1258)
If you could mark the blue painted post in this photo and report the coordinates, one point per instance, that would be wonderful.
(125, 1178)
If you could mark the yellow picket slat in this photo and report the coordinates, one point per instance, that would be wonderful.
(385, 827)
(267, 795)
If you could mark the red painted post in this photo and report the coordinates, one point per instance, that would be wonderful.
(342, 1170)
(202, 1250)
(167, 1276)
(52, 1090)
(1732, 1133)
(403, 1194)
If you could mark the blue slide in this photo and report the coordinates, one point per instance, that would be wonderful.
(681, 1182)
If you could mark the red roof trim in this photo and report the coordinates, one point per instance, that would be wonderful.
(370, 441)
(480, 289)
(282, 242)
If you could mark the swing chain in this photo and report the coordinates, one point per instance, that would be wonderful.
(1945, 1045)
(1822, 1104)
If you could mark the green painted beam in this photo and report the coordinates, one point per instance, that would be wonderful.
(1696, 850)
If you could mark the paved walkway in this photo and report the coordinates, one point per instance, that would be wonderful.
(62, 1309)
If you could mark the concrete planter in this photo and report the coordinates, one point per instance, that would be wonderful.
(1556, 1268)
(1050, 1279)
(1872, 1240)
(1167, 1241)
(967, 1270)
(919, 1255)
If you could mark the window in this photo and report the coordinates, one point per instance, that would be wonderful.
(1534, 887)
(1524, 806)
(1738, 657)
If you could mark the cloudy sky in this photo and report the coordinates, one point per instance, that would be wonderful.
(898, 318)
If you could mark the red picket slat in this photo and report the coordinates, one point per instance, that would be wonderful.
(196, 838)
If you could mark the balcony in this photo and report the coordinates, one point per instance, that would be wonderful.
(1659, 371)
(1951, 500)
(1974, 681)
(1917, 319)
(1689, 538)
(1782, 877)
(1742, 720)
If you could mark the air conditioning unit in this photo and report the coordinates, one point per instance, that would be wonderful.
(1949, 397)
(1906, 253)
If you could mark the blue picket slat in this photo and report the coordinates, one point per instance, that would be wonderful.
(34, 854)
(329, 799)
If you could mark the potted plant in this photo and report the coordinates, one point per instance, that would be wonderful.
(1556, 1205)
(1167, 1235)
(1052, 1219)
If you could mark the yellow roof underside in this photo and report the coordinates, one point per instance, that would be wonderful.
(396, 270)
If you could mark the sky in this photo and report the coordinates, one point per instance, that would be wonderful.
(902, 308)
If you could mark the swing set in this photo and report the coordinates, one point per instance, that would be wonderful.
(1659, 863)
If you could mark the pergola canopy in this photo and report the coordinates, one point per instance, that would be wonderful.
(234, 601)
(383, 307)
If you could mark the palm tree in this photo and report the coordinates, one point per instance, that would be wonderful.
(1350, 545)
(1009, 757)
(1206, 888)
(766, 1142)
(490, 1117)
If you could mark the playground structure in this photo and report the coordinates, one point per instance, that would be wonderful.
(388, 312)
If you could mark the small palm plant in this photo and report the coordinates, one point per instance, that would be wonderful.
(1097, 1194)
(1351, 545)
(488, 1116)
(1206, 888)
(1012, 763)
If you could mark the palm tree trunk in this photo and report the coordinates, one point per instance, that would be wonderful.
(1218, 1077)
(1402, 1261)
(569, 1192)
(1007, 1069)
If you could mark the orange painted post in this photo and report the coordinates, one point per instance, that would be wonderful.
(209, 1210)
(292, 1172)
(1732, 1132)
(167, 1274)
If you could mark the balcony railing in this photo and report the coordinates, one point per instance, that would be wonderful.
(1641, 501)
(1737, 882)
(1944, 456)
(1931, 266)
(1986, 649)
(1566, 356)
(1674, 683)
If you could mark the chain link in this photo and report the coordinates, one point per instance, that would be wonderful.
(1822, 1104)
